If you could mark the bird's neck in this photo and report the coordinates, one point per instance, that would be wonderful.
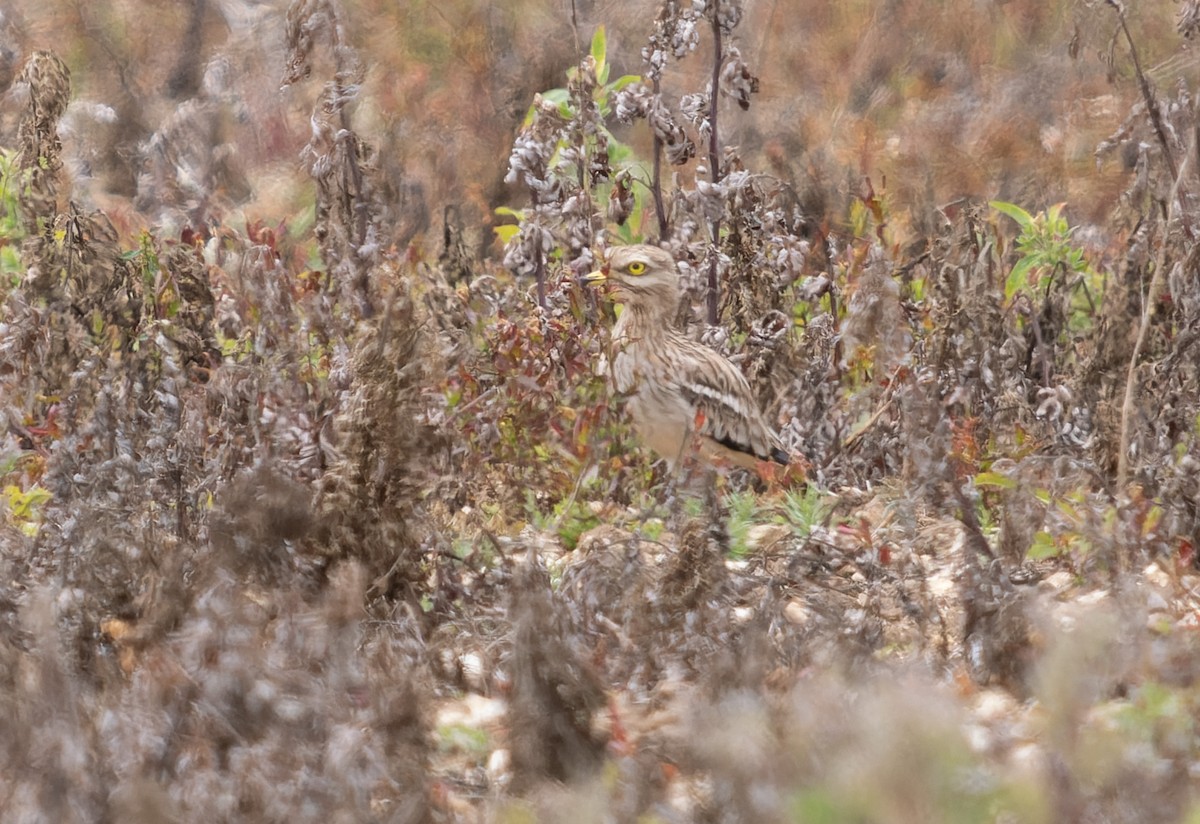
(639, 323)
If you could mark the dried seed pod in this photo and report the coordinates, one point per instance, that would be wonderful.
(620, 199)
(736, 79)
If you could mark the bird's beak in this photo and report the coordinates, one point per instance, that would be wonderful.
(598, 276)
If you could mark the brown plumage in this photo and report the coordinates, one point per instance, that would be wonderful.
(677, 389)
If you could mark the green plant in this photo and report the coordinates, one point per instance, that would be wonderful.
(12, 229)
(743, 515)
(569, 519)
(569, 162)
(805, 508)
(1069, 539)
(1045, 249)
(25, 506)
(541, 433)
(465, 739)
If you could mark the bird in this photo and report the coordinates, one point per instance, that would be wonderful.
(680, 393)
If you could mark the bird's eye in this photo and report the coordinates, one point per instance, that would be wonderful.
(636, 268)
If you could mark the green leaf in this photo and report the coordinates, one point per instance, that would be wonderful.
(1068, 510)
(1014, 211)
(994, 480)
(623, 81)
(1043, 547)
(463, 738)
(556, 96)
(1018, 277)
(599, 51)
(506, 211)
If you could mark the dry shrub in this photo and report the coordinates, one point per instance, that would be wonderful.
(49, 84)
(368, 499)
(192, 171)
(166, 618)
(555, 694)
(351, 209)
(260, 515)
(533, 427)
(234, 710)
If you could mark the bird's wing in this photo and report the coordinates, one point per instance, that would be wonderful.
(725, 408)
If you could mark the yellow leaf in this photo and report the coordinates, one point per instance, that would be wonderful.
(506, 232)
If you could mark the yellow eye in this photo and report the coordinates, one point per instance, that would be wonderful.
(636, 268)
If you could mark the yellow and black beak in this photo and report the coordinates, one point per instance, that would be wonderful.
(598, 276)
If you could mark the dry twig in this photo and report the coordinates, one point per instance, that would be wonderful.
(1149, 305)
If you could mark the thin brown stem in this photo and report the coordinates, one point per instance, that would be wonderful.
(539, 273)
(660, 209)
(713, 301)
(1147, 93)
(714, 166)
(1149, 307)
(714, 145)
(575, 28)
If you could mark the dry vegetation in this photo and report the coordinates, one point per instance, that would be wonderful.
(315, 506)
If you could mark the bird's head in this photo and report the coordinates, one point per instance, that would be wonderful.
(643, 276)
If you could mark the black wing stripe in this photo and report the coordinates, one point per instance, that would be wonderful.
(697, 393)
(774, 452)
